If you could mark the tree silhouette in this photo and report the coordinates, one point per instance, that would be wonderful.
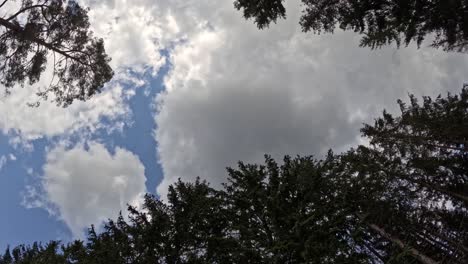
(402, 199)
(55, 34)
(380, 22)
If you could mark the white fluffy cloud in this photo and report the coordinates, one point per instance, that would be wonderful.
(50, 120)
(132, 31)
(235, 93)
(133, 36)
(86, 185)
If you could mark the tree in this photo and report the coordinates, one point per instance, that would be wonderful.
(432, 140)
(380, 22)
(55, 34)
(400, 200)
(191, 228)
(290, 213)
(400, 221)
(409, 186)
(37, 254)
(426, 155)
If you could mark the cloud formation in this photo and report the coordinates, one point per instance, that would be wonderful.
(48, 120)
(235, 92)
(87, 184)
(133, 36)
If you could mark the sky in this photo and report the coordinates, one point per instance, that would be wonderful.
(197, 88)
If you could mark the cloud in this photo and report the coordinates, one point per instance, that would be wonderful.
(3, 161)
(235, 92)
(133, 38)
(49, 120)
(135, 32)
(87, 184)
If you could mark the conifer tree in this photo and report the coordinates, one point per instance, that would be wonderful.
(400, 222)
(431, 140)
(289, 213)
(399, 200)
(191, 228)
(419, 160)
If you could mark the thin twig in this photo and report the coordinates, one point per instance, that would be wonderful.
(25, 9)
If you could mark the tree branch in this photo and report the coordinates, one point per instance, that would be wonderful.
(25, 9)
(414, 252)
(20, 30)
(2, 4)
(395, 240)
(425, 184)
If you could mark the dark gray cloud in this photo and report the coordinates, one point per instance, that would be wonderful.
(236, 93)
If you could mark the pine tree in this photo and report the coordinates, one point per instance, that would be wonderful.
(54, 34)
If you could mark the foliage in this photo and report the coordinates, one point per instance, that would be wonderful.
(380, 22)
(55, 34)
(402, 199)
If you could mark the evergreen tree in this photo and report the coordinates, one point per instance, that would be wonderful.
(402, 199)
(55, 33)
(35, 254)
(400, 222)
(290, 213)
(191, 228)
(431, 140)
(416, 172)
(380, 22)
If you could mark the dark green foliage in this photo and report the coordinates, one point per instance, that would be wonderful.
(427, 165)
(191, 228)
(394, 206)
(263, 12)
(400, 200)
(290, 214)
(37, 254)
(54, 31)
(430, 142)
(380, 22)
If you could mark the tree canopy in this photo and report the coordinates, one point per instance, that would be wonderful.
(55, 34)
(380, 22)
(401, 199)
